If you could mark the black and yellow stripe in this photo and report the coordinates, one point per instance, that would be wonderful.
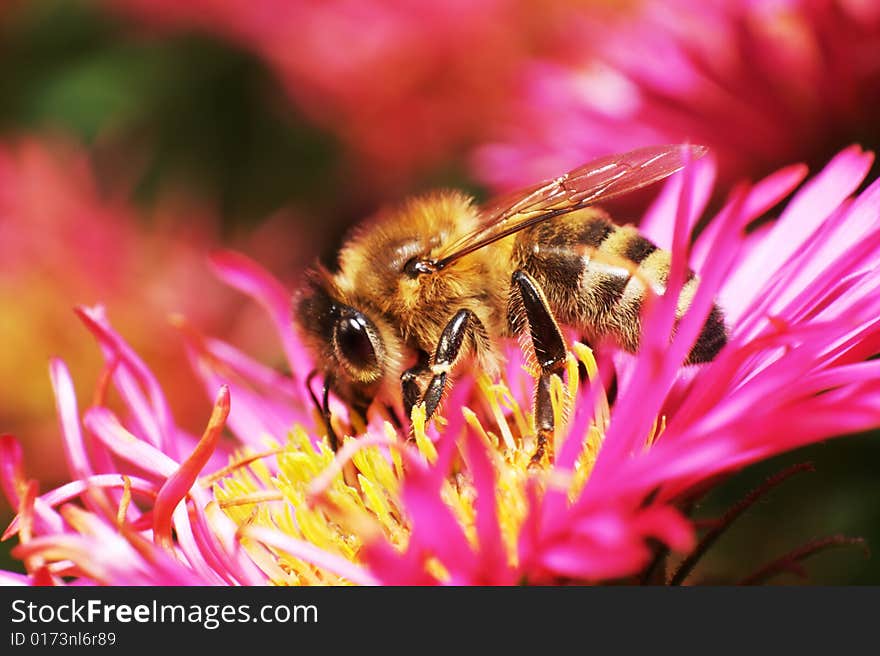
(595, 276)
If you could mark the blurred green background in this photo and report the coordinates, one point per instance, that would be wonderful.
(206, 117)
(191, 113)
(195, 113)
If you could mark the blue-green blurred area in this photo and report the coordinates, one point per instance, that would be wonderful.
(161, 115)
(184, 112)
(180, 112)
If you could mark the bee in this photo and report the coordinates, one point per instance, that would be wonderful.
(437, 281)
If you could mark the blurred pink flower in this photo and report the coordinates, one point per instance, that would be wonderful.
(405, 85)
(64, 241)
(538, 88)
(800, 299)
(761, 83)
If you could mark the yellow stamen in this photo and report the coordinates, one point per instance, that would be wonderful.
(309, 497)
(474, 422)
(423, 442)
(559, 400)
(250, 499)
(124, 501)
(489, 392)
(507, 400)
(436, 569)
(584, 354)
(238, 463)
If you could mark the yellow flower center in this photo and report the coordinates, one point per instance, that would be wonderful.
(339, 508)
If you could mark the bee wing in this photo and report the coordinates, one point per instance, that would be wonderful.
(596, 181)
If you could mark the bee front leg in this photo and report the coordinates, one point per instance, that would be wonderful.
(448, 352)
(550, 352)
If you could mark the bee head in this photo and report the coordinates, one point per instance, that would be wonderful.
(343, 338)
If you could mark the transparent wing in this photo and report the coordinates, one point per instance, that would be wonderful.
(599, 180)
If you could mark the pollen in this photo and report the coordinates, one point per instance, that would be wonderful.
(341, 501)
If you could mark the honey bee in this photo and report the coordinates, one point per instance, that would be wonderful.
(437, 281)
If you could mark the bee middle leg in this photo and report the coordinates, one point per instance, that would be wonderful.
(548, 342)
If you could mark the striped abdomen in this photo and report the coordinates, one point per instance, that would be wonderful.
(594, 275)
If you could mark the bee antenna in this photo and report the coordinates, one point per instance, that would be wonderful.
(323, 408)
(309, 379)
(331, 434)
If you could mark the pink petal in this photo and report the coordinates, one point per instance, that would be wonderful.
(179, 483)
(12, 477)
(220, 535)
(256, 414)
(393, 568)
(71, 490)
(247, 276)
(310, 553)
(763, 196)
(106, 427)
(492, 553)
(13, 578)
(659, 220)
(68, 415)
(803, 215)
(434, 529)
(159, 415)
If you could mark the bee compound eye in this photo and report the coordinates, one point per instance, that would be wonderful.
(354, 344)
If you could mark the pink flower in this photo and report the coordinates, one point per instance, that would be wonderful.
(760, 83)
(64, 241)
(109, 540)
(462, 505)
(803, 317)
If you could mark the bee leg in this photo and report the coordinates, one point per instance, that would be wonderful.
(550, 352)
(411, 383)
(445, 356)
